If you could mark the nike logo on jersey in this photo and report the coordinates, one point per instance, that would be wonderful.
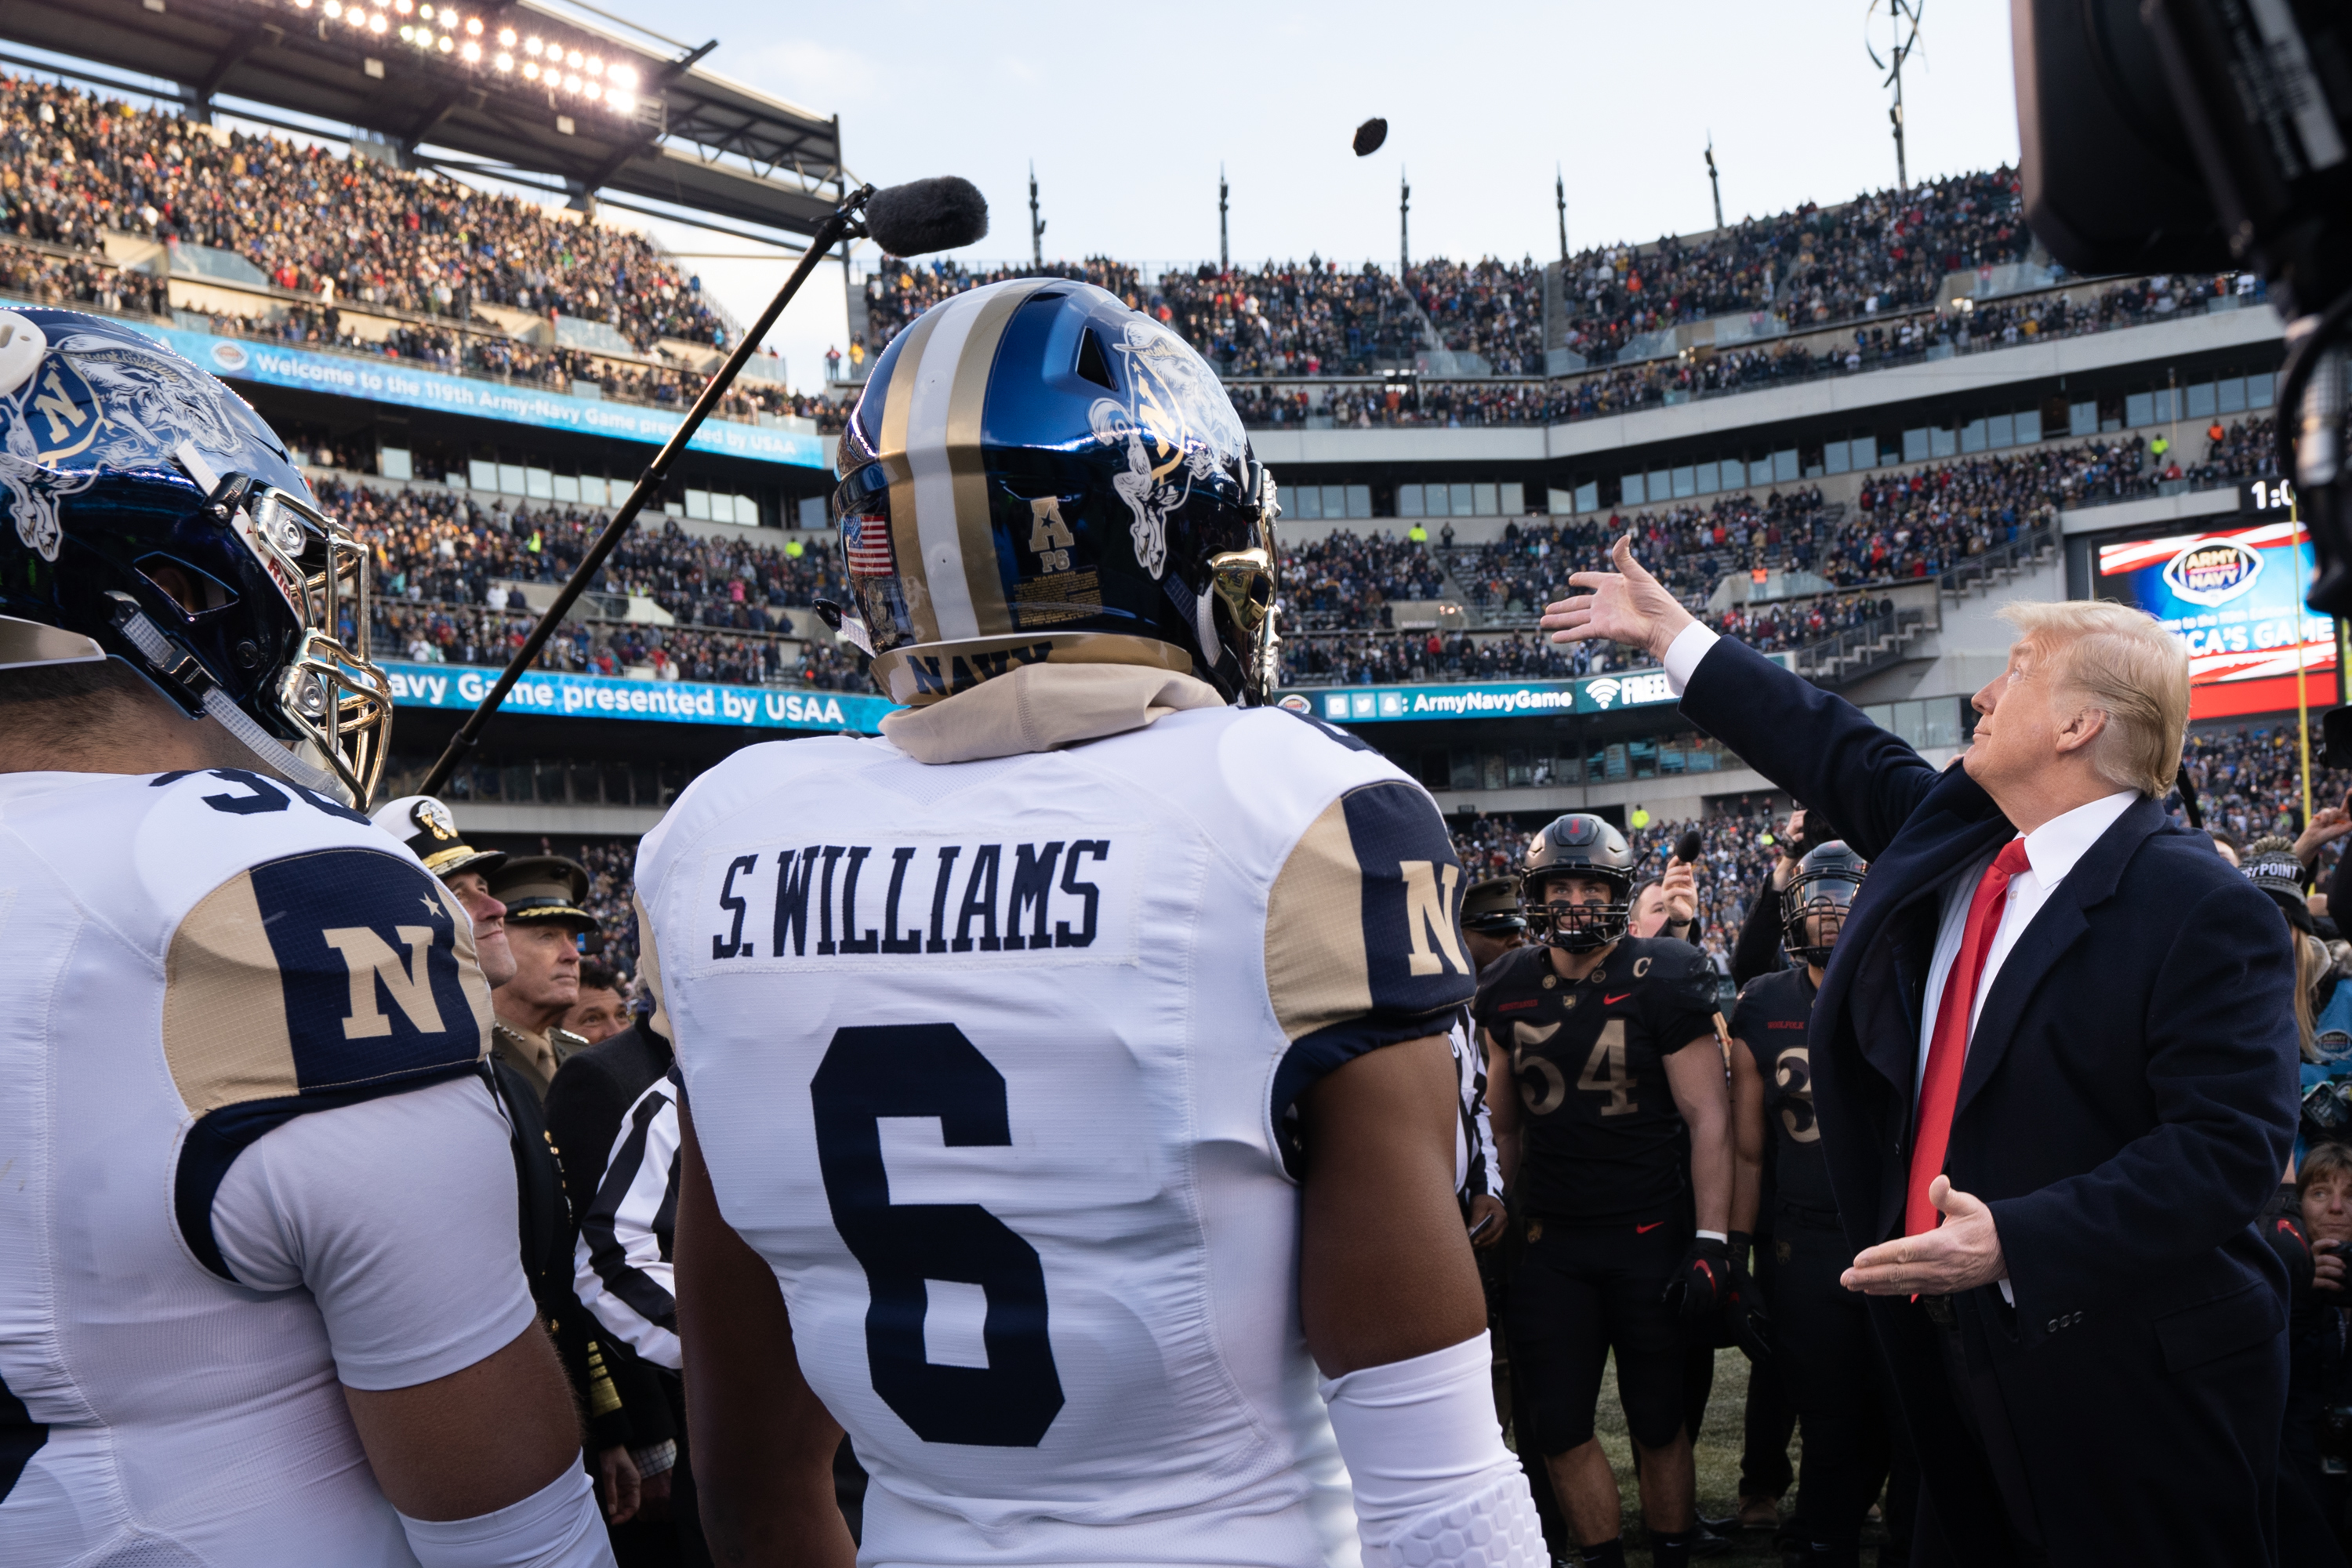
(1646, 1229)
(1612, 1001)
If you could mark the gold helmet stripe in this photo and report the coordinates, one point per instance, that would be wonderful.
(906, 544)
(947, 386)
(973, 516)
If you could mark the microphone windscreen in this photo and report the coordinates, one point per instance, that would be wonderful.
(924, 215)
(1686, 847)
(1370, 135)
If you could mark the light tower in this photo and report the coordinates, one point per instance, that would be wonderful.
(1404, 223)
(1224, 248)
(1037, 223)
(1715, 182)
(1559, 190)
(1899, 13)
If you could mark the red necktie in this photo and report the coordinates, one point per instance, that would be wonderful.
(1947, 1052)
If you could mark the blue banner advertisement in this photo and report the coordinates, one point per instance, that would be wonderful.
(391, 380)
(566, 696)
(1486, 700)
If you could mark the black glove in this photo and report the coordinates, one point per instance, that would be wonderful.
(1743, 1244)
(1701, 1282)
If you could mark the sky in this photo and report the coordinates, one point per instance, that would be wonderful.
(1129, 114)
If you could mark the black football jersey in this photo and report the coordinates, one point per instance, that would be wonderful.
(1771, 1020)
(1601, 1137)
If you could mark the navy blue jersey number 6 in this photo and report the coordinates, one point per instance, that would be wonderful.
(930, 1070)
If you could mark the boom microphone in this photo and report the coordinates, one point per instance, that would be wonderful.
(1686, 847)
(923, 215)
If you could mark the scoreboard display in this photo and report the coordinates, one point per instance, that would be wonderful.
(2235, 596)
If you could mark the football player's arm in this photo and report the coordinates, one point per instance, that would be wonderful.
(398, 1214)
(1748, 1138)
(763, 1442)
(1384, 1273)
(1396, 1320)
(1695, 1076)
(1503, 1109)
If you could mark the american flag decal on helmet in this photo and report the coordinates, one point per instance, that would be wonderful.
(865, 545)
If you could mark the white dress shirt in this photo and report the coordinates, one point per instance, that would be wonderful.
(2051, 852)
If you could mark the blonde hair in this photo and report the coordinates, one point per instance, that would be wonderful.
(2312, 962)
(2123, 663)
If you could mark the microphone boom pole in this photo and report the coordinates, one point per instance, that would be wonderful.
(843, 224)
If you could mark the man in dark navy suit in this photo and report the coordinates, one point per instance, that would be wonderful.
(2054, 1068)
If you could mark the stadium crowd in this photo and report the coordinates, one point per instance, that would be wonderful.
(74, 165)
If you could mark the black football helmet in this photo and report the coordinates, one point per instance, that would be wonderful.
(158, 521)
(1036, 473)
(1822, 891)
(1582, 845)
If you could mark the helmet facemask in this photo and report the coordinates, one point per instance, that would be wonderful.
(1814, 908)
(1244, 595)
(325, 718)
(1575, 927)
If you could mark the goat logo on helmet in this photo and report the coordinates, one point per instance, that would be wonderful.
(157, 520)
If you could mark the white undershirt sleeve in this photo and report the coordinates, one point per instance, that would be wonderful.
(399, 1214)
(1683, 654)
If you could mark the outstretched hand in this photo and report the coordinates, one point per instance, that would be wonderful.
(1627, 605)
(1960, 1254)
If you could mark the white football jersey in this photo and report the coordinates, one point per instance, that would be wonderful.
(240, 1045)
(990, 1061)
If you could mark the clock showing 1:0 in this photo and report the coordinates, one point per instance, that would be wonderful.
(2266, 495)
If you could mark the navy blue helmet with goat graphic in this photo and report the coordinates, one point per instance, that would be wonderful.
(1036, 473)
(151, 517)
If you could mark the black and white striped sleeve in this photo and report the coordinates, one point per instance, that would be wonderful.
(1476, 1171)
(620, 1265)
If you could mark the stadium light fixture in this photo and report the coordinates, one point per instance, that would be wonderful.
(531, 70)
(377, 22)
(534, 48)
(624, 78)
(470, 53)
(507, 36)
(473, 27)
(503, 61)
(447, 43)
(333, 8)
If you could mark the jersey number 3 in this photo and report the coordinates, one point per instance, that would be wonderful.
(925, 1070)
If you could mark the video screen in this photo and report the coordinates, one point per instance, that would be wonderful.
(2235, 597)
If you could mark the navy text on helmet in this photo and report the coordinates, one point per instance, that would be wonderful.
(1036, 473)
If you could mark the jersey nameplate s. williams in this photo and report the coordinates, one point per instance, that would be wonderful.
(922, 903)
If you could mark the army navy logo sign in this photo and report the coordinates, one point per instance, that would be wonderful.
(2214, 572)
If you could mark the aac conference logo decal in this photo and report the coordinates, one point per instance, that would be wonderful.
(2214, 572)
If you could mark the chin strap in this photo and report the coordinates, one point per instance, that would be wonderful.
(182, 669)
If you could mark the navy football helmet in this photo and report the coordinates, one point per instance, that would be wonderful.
(157, 520)
(1578, 845)
(1035, 472)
